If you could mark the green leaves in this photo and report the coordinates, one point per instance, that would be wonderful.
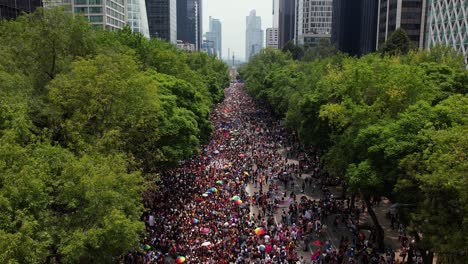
(85, 117)
(386, 125)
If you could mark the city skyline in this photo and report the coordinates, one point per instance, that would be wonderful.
(232, 16)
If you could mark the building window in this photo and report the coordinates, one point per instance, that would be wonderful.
(95, 19)
(81, 2)
(81, 10)
(95, 2)
(95, 10)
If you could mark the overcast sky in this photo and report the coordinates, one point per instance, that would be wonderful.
(232, 14)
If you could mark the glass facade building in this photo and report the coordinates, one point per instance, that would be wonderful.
(162, 19)
(215, 35)
(354, 26)
(11, 9)
(136, 17)
(447, 24)
(409, 15)
(189, 22)
(253, 35)
(286, 21)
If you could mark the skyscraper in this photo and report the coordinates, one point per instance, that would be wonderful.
(215, 36)
(314, 21)
(189, 22)
(253, 35)
(275, 13)
(354, 26)
(287, 21)
(162, 19)
(409, 15)
(11, 9)
(447, 24)
(137, 18)
(110, 15)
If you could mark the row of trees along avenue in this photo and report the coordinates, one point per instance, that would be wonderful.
(87, 120)
(391, 124)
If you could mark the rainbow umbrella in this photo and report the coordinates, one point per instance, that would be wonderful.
(214, 190)
(220, 182)
(214, 213)
(180, 259)
(235, 198)
(194, 221)
(205, 230)
(260, 231)
(238, 202)
(147, 247)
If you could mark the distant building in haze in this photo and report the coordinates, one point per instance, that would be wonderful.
(286, 21)
(354, 26)
(410, 15)
(162, 19)
(272, 38)
(189, 22)
(447, 24)
(253, 35)
(137, 18)
(314, 21)
(11, 9)
(213, 38)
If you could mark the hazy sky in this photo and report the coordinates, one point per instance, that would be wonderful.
(232, 14)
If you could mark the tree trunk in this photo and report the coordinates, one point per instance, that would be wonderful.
(353, 198)
(344, 188)
(379, 232)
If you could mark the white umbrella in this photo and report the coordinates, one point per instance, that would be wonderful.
(206, 244)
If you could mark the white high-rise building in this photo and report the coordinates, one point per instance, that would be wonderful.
(276, 13)
(314, 21)
(106, 14)
(447, 24)
(253, 35)
(137, 19)
(272, 38)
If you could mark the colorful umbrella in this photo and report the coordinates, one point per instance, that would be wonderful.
(246, 173)
(147, 247)
(180, 259)
(260, 231)
(194, 221)
(241, 155)
(220, 182)
(205, 230)
(213, 190)
(238, 202)
(214, 213)
(235, 198)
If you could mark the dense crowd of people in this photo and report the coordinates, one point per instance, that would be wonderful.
(202, 212)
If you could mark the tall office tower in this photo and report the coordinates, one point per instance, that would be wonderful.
(253, 35)
(189, 22)
(11, 9)
(215, 36)
(354, 26)
(110, 15)
(447, 24)
(287, 21)
(275, 13)
(314, 21)
(162, 19)
(409, 15)
(137, 18)
(272, 38)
